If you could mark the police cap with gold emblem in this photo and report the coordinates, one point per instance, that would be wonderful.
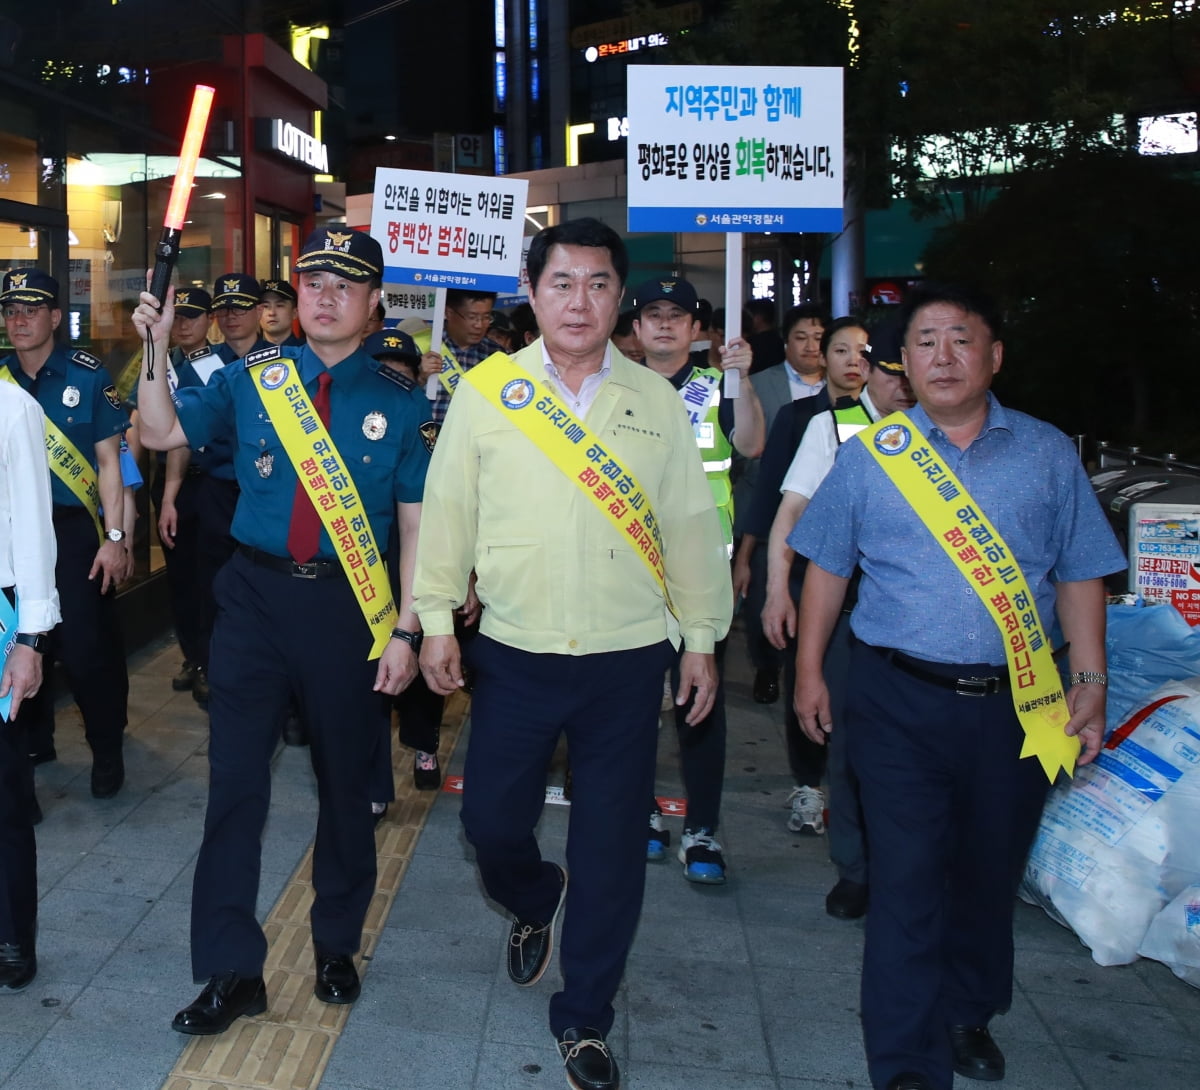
(352, 254)
(237, 290)
(279, 287)
(884, 349)
(392, 343)
(666, 289)
(192, 302)
(30, 286)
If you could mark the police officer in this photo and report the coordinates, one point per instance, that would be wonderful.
(84, 413)
(418, 709)
(301, 604)
(175, 483)
(277, 313)
(666, 323)
(235, 304)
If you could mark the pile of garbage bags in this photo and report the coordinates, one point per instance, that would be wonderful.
(1117, 856)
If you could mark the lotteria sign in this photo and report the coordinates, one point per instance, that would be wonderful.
(292, 142)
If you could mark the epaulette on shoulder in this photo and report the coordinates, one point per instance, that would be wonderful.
(398, 377)
(199, 353)
(275, 352)
(86, 359)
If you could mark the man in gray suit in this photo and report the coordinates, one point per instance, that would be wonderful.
(800, 375)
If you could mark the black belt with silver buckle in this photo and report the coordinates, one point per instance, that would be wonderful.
(314, 569)
(963, 686)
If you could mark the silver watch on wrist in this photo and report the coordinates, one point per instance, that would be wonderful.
(115, 535)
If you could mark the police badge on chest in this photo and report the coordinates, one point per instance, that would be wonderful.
(265, 464)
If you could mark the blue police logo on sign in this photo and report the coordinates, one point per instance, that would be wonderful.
(893, 439)
(517, 394)
(274, 376)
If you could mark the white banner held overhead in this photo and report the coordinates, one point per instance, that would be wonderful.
(734, 148)
(449, 230)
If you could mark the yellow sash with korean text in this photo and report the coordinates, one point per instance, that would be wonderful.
(328, 484)
(451, 373)
(69, 465)
(984, 560)
(595, 469)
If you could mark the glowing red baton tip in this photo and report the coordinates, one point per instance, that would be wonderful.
(189, 155)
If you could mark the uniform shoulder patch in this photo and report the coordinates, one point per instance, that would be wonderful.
(398, 377)
(199, 353)
(275, 352)
(86, 359)
(112, 397)
(429, 433)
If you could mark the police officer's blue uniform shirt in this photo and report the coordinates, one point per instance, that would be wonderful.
(229, 355)
(1023, 474)
(387, 470)
(77, 394)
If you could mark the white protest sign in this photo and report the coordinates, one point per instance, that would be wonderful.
(402, 301)
(736, 149)
(449, 230)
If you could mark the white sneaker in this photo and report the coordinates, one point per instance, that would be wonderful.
(700, 854)
(808, 811)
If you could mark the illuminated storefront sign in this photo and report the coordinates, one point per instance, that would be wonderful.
(284, 138)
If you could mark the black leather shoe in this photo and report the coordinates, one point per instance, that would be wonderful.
(426, 779)
(847, 900)
(18, 966)
(531, 942)
(43, 756)
(589, 1064)
(182, 681)
(976, 1055)
(337, 979)
(910, 1080)
(108, 776)
(200, 688)
(225, 998)
(766, 686)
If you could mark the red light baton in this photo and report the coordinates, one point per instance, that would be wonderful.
(166, 253)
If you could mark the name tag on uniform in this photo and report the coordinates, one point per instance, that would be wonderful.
(705, 435)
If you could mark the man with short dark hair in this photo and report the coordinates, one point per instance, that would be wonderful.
(85, 422)
(765, 342)
(468, 318)
(973, 525)
(329, 454)
(567, 478)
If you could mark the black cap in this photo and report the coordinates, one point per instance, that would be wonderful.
(672, 290)
(884, 349)
(392, 342)
(31, 286)
(352, 254)
(279, 287)
(191, 302)
(237, 290)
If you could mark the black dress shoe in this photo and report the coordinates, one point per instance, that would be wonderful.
(225, 998)
(108, 776)
(766, 686)
(182, 682)
(337, 979)
(847, 900)
(531, 942)
(18, 966)
(910, 1080)
(976, 1055)
(43, 756)
(426, 779)
(200, 688)
(589, 1064)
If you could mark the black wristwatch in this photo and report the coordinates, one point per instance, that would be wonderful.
(413, 639)
(39, 641)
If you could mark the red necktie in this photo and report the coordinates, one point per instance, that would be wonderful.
(304, 531)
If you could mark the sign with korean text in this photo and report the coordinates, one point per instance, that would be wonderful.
(449, 230)
(402, 301)
(734, 148)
